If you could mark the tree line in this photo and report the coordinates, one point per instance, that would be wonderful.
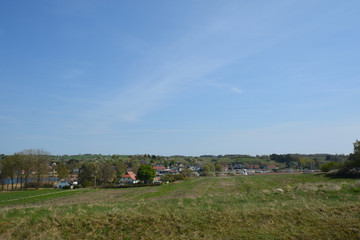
(348, 168)
(25, 168)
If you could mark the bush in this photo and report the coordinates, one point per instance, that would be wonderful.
(167, 178)
(178, 177)
(330, 166)
(31, 185)
(66, 187)
(86, 183)
(47, 185)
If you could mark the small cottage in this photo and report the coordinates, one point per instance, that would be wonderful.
(62, 183)
(128, 178)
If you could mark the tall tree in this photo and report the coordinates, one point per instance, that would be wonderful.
(355, 156)
(86, 173)
(134, 165)
(120, 169)
(63, 171)
(19, 165)
(218, 167)
(8, 169)
(41, 160)
(107, 172)
(96, 172)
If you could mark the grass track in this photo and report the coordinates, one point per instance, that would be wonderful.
(32, 196)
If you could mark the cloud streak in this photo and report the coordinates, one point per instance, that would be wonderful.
(184, 64)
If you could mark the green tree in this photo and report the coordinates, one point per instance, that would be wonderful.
(187, 172)
(354, 157)
(146, 173)
(307, 163)
(329, 166)
(208, 169)
(63, 171)
(107, 172)
(134, 165)
(121, 169)
(218, 167)
(116, 157)
(86, 173)
(172, 163)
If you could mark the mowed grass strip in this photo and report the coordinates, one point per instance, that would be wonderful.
(32, 196)
(239, 207)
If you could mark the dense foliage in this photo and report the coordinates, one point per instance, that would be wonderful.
(146, 173)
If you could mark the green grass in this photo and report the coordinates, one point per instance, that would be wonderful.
(239, 207)
(33, 196)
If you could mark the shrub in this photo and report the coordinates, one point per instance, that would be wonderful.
(86, 183)
(179, 177)
(330, 166)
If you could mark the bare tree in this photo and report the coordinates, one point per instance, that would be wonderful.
(107, 172)
(19, 165)
(96, 172)
(35, 160)
(27, 168)
(8, 169)
(40, 164)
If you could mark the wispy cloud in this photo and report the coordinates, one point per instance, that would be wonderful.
(237, 90)
(225, 38)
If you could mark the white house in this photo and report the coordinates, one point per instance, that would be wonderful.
(62, 183)
(128, 178)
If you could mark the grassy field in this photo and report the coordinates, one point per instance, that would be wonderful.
(238, 207)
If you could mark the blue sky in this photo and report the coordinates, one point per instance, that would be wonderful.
(179, 77)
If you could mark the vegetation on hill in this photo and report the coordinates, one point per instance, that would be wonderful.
(37, 168)
(350, 168)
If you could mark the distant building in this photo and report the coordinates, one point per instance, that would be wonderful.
(62, 183)
(128, 178)
(159, 168)
(238, 166)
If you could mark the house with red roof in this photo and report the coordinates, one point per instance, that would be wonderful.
(159, 168)
(128, 178)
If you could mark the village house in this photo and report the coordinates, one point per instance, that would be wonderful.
(128, 178)
(159, 168)
(143, 162)
(64, 183)
(271, 167)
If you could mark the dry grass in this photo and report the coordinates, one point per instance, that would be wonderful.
(202, 208)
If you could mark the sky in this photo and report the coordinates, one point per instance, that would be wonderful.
(187, 77)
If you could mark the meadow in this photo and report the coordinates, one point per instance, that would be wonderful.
(311, 206)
